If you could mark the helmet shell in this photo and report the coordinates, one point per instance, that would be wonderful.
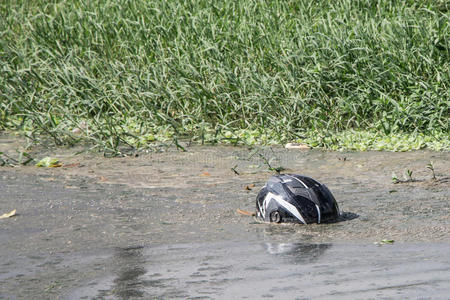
(294, 198)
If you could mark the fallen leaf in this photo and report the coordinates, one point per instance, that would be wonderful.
(8, 215)
(49, 162)
(384, 242)
(57, 165)
(70, 187)
(205, 174)
(102, 178)
(48, 178)
(244, 212)
(297, 146)
(76, 131)
(249, 187)
(79, 129)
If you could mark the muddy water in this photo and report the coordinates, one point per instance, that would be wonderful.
(273, 270)
(163, 225)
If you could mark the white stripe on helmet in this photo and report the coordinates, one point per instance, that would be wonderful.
(291, 208)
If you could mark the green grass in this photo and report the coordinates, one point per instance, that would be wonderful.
(342, 74)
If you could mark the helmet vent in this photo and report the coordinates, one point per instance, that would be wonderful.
(275, 217)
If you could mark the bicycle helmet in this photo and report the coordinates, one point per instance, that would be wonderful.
(294, 198)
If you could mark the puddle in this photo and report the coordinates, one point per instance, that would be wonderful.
(278, 270)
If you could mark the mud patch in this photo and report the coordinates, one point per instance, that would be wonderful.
(165, 225)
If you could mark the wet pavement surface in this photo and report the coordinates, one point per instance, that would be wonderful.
(164, 226)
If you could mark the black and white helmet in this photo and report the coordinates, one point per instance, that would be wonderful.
(296, 199)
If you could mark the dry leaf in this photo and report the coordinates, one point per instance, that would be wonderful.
(205, 174)
(71, 187)
(48, 178)
(8, 215)
(297, 146)
(384, 242)
(55, 165)
(245, 213)
(76, 131)
(249, 187)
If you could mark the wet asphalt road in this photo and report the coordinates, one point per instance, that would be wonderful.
(164, 226)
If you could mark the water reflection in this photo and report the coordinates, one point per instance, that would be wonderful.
(297, 252)
(129, 262)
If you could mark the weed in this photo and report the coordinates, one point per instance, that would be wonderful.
(177, 144)
(234, 169)
(408, 175)
(395, 178)
(430, 166)
(53, 285)
(334, 74)
(268, 163)
(23, 158)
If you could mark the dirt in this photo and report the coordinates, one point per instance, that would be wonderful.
(164, 225)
